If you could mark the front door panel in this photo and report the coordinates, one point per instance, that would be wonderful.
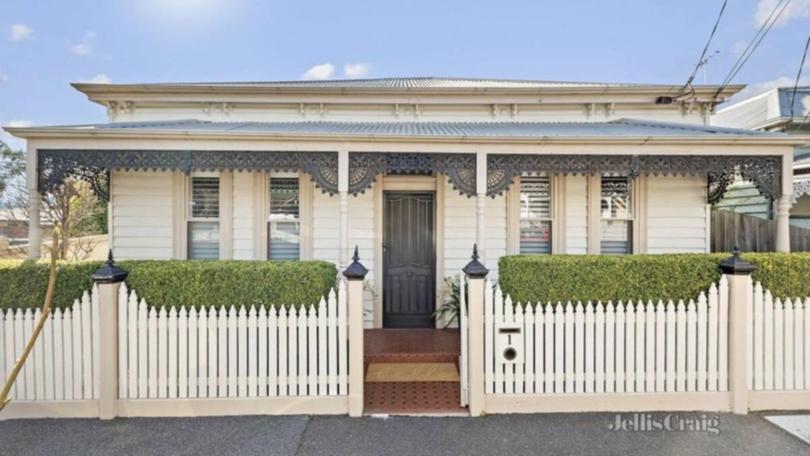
(409, 260)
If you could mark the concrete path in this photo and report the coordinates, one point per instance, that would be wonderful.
(584, 433)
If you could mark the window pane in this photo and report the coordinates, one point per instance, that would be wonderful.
(535, 215)
(205, 197)
(616, 197)
(616, 237)
(535, 197)
(535, 236)
(203, 240)
(283, 224)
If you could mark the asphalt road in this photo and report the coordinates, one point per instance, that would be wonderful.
(583, 433)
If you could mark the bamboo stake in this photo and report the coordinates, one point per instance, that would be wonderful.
(46, 310)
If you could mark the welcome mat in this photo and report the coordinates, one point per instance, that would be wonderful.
(412, 372)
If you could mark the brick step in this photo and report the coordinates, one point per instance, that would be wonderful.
(412, 397)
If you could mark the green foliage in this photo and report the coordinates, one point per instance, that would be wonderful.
(530, 278)
(12, 165)
(174, 283)
(451, 308)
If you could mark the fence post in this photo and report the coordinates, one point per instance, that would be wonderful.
(476, 273)
(738, 272)
(355, 274)
(108, 278)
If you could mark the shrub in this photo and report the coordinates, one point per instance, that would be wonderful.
(176, 283)
(533, 278)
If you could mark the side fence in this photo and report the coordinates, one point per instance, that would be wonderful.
(752, 234)
(734, 348)
(113, 354)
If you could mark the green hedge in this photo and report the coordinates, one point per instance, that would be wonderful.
(175, 283)
(535, 278)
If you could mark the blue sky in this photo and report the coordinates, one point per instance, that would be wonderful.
(44, 45)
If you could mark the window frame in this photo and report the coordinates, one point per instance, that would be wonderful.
(638, 202)
(557, 215)
(267, 203)
(549, 219)
(189, 217)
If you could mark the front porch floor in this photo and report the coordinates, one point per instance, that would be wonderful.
(426, 351)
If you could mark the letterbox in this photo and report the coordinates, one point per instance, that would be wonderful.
(509, 343)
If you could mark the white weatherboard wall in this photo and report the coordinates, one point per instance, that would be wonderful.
(361, 234)
(495, 223)
(676, 209)
(142, 214)
(243, 212)
(459, 228)
(576, 215)
(325, 223)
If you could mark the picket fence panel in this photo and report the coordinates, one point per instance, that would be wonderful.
(63, 364)
(233, 352)
(781, 342)
(623, 347)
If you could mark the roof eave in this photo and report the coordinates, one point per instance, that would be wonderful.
(95, 92)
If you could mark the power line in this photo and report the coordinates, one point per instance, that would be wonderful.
(766, 26)
(798, 77)
(702, 60)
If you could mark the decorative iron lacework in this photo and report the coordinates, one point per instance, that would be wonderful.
(93, 166)
(365, 167)
(800, 188)
(764, 171)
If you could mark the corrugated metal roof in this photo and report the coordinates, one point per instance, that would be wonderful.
(616, 128)
(408, 83)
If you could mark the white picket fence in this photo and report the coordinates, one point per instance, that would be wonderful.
(232, 352)
(623, 347)
(780, 342)
(63, 364)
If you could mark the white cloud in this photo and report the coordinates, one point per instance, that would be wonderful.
(100, 78)
(11, 141)
(84, 47)
(20, 32)
(3, 77)
(796, 9)
(356, 70)
(321, 71)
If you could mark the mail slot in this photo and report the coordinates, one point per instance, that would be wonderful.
(509, 343)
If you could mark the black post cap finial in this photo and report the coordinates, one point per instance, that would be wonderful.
(735, 264)
(109, 273)
(474, 268)
(355, 271)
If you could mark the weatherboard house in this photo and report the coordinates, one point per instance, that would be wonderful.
(413, 171)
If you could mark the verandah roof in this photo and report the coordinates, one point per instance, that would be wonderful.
(764, 170)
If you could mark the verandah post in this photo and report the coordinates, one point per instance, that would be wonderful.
(108, 278)
(355, 274)
(740, 296)
(477, 274)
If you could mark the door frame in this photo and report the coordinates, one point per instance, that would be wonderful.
(435, 184)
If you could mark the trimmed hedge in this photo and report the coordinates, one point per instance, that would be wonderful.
(173, 283)
(536, 278)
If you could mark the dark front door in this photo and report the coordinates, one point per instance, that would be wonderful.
(409, 261)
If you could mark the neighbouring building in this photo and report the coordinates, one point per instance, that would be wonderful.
(776, 110)
(413, 171)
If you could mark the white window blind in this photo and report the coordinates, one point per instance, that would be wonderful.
(284, 224)
(203, 222)
(535, 215)
(616, 230)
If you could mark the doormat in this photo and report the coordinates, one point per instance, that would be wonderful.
(412, 372)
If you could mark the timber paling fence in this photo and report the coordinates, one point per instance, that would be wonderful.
(751, 234)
